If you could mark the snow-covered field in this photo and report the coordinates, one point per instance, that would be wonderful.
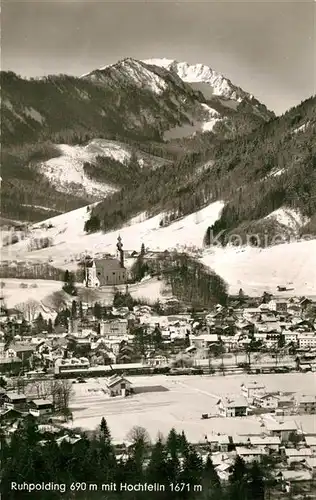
(37, 292)
(181, 406)
(66, 172)
(70, 239)
(257, 270)
(252, 269)
(290, 218)
(41, 291)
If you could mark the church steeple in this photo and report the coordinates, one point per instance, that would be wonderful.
(120, 251)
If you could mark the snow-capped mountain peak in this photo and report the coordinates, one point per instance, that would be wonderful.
(200, 73)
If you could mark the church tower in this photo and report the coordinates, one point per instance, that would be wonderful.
(91, 279)
(120, 251)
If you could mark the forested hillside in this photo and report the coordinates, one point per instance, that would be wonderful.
(129, 102)
(272, 167)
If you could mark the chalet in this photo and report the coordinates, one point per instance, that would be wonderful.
(118, 386)
(294, 455)
(272, 443)
(289, 478)
(14, 401)
(266, 401)
(233, 407)
(281, 429)
(9, 416)
(21, 351)
(307, 404)
(249, 391)
(278, 305)
(39, 407)
(250, 455)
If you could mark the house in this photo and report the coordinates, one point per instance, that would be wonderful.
(204, 340)
(266, 401)
(272, 443)
(294, 455)
(21, 351)
(278, 305)
(252, 454)
(114, 328)
(14, 401)
(290, 336)
(118, 385)
(39, 407)
(9, 416)
(307, 404)
(10, 365)
(233, 407)
(249, 391)
(289, 478)
(311, 443)
(306, 340)
(281, 429)
(223, 443)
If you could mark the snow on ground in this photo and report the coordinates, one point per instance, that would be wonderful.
(206, 124)
(290, 218)
(41, 291)
(67, 174)
(257, 270)
(70, 240)
(35, 290)
(181, 406)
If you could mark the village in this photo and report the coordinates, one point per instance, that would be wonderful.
(238, 379)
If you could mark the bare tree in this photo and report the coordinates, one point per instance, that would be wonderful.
(29, 309)
(138, 434)
(57, 300)
(61, 392)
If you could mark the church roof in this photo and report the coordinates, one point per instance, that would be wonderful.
(109, 264)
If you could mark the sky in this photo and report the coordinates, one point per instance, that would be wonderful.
(266, 47)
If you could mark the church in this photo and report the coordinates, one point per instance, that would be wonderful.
(106, 272)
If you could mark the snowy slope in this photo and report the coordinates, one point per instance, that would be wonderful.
(255, 270)
(290, 218)
(66, 172)
(135, 70)
(258, 270)
(70, 240)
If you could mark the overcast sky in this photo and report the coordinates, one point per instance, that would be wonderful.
(266, 47)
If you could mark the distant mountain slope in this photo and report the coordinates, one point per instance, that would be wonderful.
(271, 168)
(47, 124)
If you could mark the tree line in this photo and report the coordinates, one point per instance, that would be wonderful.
(31, 457)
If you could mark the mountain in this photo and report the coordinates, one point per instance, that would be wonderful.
(271, 168)
(51, 125)
(214, 86)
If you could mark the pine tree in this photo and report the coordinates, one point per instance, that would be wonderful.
(104, 430)
(238, 480)
(74, 309)
(50, 328)
(256, 488)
